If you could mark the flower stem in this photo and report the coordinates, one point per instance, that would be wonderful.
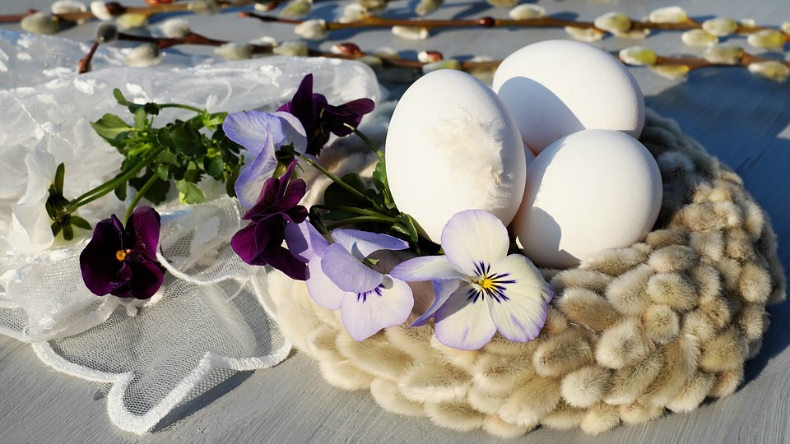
(367, 141)
(359, 219)
(148, 184)
(333, 178)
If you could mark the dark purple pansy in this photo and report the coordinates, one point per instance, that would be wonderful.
(260, 242)
(122, 262)
(319, 118)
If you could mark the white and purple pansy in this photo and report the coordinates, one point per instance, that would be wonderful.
(339, 277)
(261, 134)
(480, 289)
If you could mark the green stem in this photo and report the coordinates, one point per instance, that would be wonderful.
(367, 141)
(360, 219)
(179, 105)
(334, 178)
(112, 184)
(150, 182)
(357, 210)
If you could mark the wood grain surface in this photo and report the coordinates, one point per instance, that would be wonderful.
(743, 120)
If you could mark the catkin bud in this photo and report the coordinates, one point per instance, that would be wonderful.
(410, 32)
(353, 13)
(312, 29)
(669, 14)
(724, 54)
(767, 39)
(720, 27)
(100, 11)
(771, 69)
(67, 7)
(143, 56)
(584, 34)
(234, 51)
(291, 49)
(208, 7)
(297, 8)
(527, 11)
(672, 72)
(131, 20)
(176, 28)
(699, 38)
(430, 56)
(425, 7)
(613, 22)
(638, 55)
(505, 4)
(444, 64)
(106, 33)
(40, 23)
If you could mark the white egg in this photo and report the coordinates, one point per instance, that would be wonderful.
(558, 87)
(452, 146)
(586, 192)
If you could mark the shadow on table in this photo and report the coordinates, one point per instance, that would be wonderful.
(744, 121)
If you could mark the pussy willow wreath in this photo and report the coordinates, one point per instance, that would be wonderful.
(631, 333)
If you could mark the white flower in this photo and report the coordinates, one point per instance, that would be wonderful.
(638, 55)
(31, 229)
(527, 11)
(143, 56)
(672, 72)
(234, 51)
(772, 70)
(312, 29)
(425, 7)
(40, 23)
(505, 4)
(291, 49)
(584, 34)
(669, 14)
(720, 27)
(353, 13)
(767, 39)
(297, 8)
(442, 64)
(410, 32)
(99, 9)
(699, 38)
(175, 28)
(613, 22)
(67, 7)
(724, 54)
(131, 20)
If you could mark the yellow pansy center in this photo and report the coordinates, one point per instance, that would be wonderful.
(121, 254)
(486, 282)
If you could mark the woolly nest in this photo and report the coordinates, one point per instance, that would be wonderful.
(663, 324)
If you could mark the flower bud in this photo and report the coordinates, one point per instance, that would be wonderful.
(699, 38)
(410, 32)
(720, 27)
(312, 29)
(234, 51)
(347, 48)
(786, 27)
(100, 11)
(767, 39)
(672, 72)
(638, 55)
(353, 13)
(527, 11)
(297, 8)
(207, 7)
(505, 4)
(443, 64)
(40, 23)
(175, 28)
(584, 34)
(613, 22)
(724, 54)
(131, 20)
(373, 5)
(291, 49)
(771, 69)
(145, 55)
(430, 56)
(67, 7)
(425, 7)
(106, 33)
(669, 14)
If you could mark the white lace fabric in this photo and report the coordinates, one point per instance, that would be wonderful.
(211, 317)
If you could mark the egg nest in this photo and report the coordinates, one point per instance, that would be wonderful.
(630, 334)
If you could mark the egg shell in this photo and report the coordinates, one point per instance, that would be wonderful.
(586, 192)
(452, 146)
(557, 87)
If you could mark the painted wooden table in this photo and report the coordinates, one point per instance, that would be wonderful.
(743, 120)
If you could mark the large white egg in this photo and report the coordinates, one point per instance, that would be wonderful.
(586, 192)
(558, 87)
(452, 146)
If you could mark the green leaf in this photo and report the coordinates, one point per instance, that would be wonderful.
(179, 137)
(120, 191)
(230, 180)
(119, 97)
(80, 222)
(68, 232)
(141, 119)
(338, 195)
(214, 166)
(112, 129)
(56, 227)
(382, 184)
(60, 175)
(407, 226)
(157, 193)
(189, 192)
(163, 171)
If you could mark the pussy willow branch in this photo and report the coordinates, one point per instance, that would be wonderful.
(698, 63)
(491, 22)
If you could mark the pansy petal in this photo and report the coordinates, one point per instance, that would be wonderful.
(290, 131)
(464, 323)
(144, 223)
(362, 243)
(304, 241)
(522, 314)
(282, 259)
(244, 244)
(387, 305)
(252, 129)
(320, 288)
(347, 272)
(101, 271)
(473, 240)
(442, 290)
(426, 268)
(147, 278)
(250, 182)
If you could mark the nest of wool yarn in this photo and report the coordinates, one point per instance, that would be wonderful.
(630, 334)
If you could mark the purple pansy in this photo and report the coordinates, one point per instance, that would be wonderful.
(260, 242)
(122, 262)
(319, 118)
(480, 289)
(339, 279)
(261, 134)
